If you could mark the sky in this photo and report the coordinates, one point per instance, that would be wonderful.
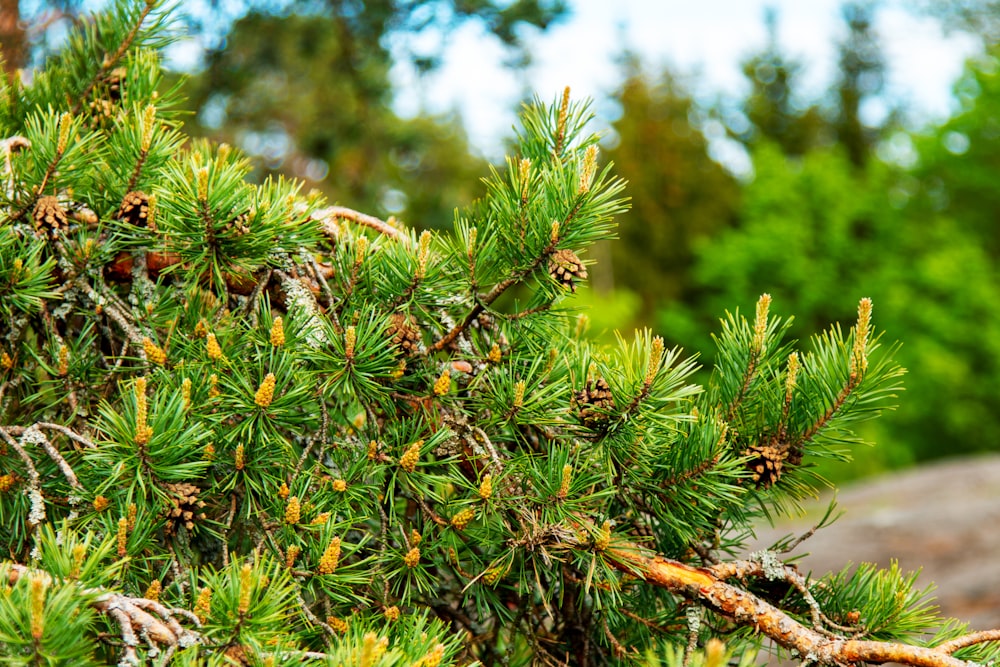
(703, 40)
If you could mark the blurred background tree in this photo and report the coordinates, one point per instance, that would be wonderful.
(772, 110)
(680, 195)
(312, 100)
(917, 235)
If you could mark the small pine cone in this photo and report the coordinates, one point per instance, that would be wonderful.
(766, 464)
(50, 216)
(404, 333)
(186, 507)
(116, 83)
(484, 321)
(134, 209)
(238, 226)
(594, 401)
(567, 268)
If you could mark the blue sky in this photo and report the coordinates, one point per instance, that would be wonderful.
(703, 39)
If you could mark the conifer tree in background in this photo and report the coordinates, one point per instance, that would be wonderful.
(238, 427)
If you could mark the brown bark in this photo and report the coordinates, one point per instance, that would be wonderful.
(704, 587)
(13, 37)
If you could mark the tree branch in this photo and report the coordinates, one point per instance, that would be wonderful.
(703, 586)
(363, 219)
(134, 616)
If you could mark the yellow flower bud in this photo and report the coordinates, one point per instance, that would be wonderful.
(433, 657)
(350, 340)
(337, 624)
(792, 376)
(283, 491)
(122, 537)
(495, 355)
(486, 487)
(101, 503)
(212, 347)
(412, 557)
(518, 394)
(154, 353)
(331, 556)
(462, 519)
(203, 605)
(153, 592)
(655, 357)
(265, 393)
(339, 485)
(443, 384)
(39, 582)
(408, 461)
(862, 331)
(760, 322)
(567, 477)
(64, 360)
(238, 457)
(603, 538)
(291, 554)
(246, 588)
(589, 169)
(423, 251)
(79, 553)
(278, 332)
(392, 613)
(202, 178)
(292, 511)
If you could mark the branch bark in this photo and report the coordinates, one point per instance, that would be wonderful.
(705, 587)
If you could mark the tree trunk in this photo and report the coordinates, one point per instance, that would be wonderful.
(13, 40)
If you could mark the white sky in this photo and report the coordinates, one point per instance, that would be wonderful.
(705, 40)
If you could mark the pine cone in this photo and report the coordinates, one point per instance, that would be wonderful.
(238, 225)
(594, 401)
(404, 332)
(50, 216)
(566, 268)
(134, 209)
(766, 464)
(115, 83)
(186, 507)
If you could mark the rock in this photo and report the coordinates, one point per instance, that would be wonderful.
(943, 518)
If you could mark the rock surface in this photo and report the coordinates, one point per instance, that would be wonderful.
(943, 518)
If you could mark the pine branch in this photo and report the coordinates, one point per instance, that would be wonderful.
(970, 639)
(135, 617)
(331, 213)
(111, 61)
(706, 587)
(483, 302)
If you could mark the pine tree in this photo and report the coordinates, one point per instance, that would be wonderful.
(240, 427)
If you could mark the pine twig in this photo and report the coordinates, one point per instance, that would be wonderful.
(363, 219)
(111, 61)
(970, 639)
